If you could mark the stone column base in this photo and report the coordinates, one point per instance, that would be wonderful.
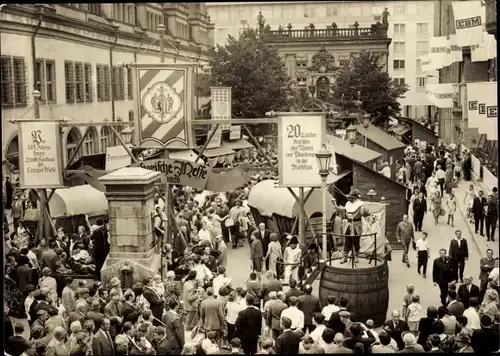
(141, 267)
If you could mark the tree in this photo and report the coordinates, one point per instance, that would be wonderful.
(378, 91)
(254, 71)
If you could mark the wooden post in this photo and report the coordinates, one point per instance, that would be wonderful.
(302, 217)
(169, 212)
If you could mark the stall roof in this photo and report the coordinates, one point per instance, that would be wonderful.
(401, 130)
(381, 138)
(82, 199)
(237, 144)
(269, 200)
(217, 151)
(186, 155)
(356, 153)
(411, 121)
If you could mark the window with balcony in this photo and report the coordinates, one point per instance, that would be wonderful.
(103, 82)
(422, 48)
(399, 64)
(399, 81)
(399, 28)
(423, 29)
(399, 8)
(13, 81)
(45, 77)
(399, 47)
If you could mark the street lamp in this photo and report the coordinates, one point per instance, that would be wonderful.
(126, 135)
(371, 193)
(324, 157)
(351, 133)
(161, 29)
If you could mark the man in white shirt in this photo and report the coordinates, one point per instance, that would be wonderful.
(319, 323)
(440, 176)
(423, 252)
(294, 314)
(472, 315)
(494, 274)
(220, 280)
(331, 308)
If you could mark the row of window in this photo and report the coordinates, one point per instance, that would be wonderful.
(95, 9)
(182, 30)
(422, 47)
(125, 13)
(420, 81)
(422, 28)
(153, 20)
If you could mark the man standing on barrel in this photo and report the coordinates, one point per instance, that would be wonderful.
(353, 229)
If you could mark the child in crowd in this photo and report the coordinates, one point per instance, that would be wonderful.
(414, 316)
(158, 285)
(407, 300)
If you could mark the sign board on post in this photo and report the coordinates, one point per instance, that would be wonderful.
(40, 155)
(216, 140)
(116, 158)
(300, 136)
(175, 171)
(235, 133)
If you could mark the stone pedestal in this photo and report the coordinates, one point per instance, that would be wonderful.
(130, 192)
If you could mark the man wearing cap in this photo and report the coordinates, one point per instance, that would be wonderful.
(354, 210)
(309, 304)
(291, 260)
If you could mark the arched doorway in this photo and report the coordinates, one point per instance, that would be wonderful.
(323, 88)
(91, 143)
(12, 155)
(72, 141)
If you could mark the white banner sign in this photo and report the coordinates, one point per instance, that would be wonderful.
(484, 51)
(482, 109)
(440, 95)
(454, 50)
(439, 52)
(117, 157)
(235, 133)
(373, 224)
(300, 138)
(469, 22)
(40, 164)
(221, 105)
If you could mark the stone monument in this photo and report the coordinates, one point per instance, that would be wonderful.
(130, 192)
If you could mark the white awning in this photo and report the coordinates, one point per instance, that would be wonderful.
(185, 155)
(82, 199)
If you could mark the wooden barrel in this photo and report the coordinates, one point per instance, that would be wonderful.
(366, 288)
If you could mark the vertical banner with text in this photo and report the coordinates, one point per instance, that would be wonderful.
(165, 105)
(469, 22)
(40, 155)
(300, 136)
(221, 105)
(482, 108)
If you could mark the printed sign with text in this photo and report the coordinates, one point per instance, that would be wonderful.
(175, 171)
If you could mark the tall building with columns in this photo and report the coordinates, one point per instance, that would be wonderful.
(411, 25)
(76, 55)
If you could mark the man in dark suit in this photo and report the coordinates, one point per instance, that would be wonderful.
(455, 307)
(263, 235)
(17, 344)
(174, 330)
(357, 337)
(491, 217)
(442, 274)
(102, 343)
(293, 291)
(271, 284)
(130, 312)
(256, 254)
(459, 253)
(487, 339)
(289, 341)
(478, 210)
(419, 211)
(154, 299)
(425, 326)
(249, 326)
(486, 264)
(95, 314)
(212, 314)
(309, 304)
(467, 291)
(335, 323)
(273, 317)
(78, 314)
(101, 246)
(395, 328)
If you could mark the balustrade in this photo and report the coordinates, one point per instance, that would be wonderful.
(330, 33)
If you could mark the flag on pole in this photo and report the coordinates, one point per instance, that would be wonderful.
(455, 51)
(440, 95)
(469, 22)
(439, 52)
(484, 51)
(482, 109)
(221, 105)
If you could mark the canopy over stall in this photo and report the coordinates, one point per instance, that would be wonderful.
(269, 200)
(237, 144)
(186, 155)
(82, 199)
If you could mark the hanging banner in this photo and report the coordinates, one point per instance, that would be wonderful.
(40, 153)
(440, 95)
(469, 18)
(373, 224)
(221, 105)
(175, 171)
(300, 136)
(454, 50)
(440, 57)
(484, 51)
(482, 109)
(165, 105)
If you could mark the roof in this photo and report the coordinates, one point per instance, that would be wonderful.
(381, 138)
(356, 152)
(269, 199)
(68, 202)
(416, 123)
(384, 177)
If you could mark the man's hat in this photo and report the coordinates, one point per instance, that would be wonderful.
(294, 240)
(344, 314)
(354, 194)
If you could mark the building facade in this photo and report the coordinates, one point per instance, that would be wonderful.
(411, 25)
(76, 56)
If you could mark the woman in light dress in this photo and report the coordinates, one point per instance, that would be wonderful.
(274, 252)
(470, 194)
(451, 208)
(410, 207)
